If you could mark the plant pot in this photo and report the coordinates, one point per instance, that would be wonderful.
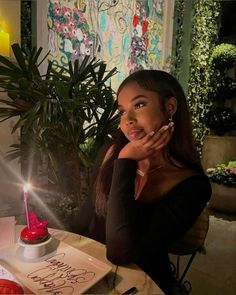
(218, 150)
(223, 198)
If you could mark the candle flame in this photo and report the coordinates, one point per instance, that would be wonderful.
(27, 187)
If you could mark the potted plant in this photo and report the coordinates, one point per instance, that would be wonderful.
(219, 145)
(223, 181)
(65, 116)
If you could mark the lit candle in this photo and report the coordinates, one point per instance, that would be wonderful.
(4, 43)
(26, 190)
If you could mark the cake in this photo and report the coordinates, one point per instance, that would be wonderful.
(36, 233)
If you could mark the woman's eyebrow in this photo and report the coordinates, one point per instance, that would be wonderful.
(133, 99)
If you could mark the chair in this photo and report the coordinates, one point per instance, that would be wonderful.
(191, 243)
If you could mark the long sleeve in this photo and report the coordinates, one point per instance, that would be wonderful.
(121, 213)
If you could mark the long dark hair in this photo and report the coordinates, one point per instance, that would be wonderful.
(181, 146)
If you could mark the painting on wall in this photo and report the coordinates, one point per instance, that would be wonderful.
(145, 49)
(126, 34)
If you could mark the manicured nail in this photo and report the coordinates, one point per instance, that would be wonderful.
(151, 133)
(165, 127)
(171, 124)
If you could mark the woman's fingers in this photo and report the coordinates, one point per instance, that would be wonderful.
(161, 137)
(144, 147)
(152, 137)
(165, 138)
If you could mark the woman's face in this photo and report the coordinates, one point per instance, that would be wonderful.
(140, 111)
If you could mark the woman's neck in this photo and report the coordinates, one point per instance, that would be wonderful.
(160, 158)
(154, 162)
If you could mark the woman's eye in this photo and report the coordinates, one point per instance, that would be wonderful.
(121, 112)
(139, 105)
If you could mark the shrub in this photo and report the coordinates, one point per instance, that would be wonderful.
(224, 56)
(223, 174)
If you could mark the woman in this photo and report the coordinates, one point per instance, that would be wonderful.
(151, 187)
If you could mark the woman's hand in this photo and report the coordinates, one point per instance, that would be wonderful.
(143, 148)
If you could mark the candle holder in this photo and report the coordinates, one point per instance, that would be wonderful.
(33, 251)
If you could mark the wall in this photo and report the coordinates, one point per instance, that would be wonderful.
(10, 183)
(9, 171)
(42, 29)
(127, 34)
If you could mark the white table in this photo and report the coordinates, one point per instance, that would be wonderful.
(120, 279)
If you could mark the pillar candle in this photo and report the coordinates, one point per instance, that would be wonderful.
(26, 189)
(4, 43)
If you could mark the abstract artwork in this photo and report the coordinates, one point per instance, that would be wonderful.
(145, 49)
(126, 34)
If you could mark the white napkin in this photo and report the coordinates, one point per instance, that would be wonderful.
(7, 231)
(5, 274)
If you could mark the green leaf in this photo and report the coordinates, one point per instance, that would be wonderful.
(19, 57)
(66, 114)
(6, 72)
(8, 63)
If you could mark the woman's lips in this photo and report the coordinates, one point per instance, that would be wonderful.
(135, 133)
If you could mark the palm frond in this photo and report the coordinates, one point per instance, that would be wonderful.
(66, 114)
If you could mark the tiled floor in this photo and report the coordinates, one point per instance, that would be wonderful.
(214, 273)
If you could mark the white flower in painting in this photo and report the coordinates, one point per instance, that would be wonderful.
(78, 34)
(65, 29)
(87, 51)
(68, 14)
